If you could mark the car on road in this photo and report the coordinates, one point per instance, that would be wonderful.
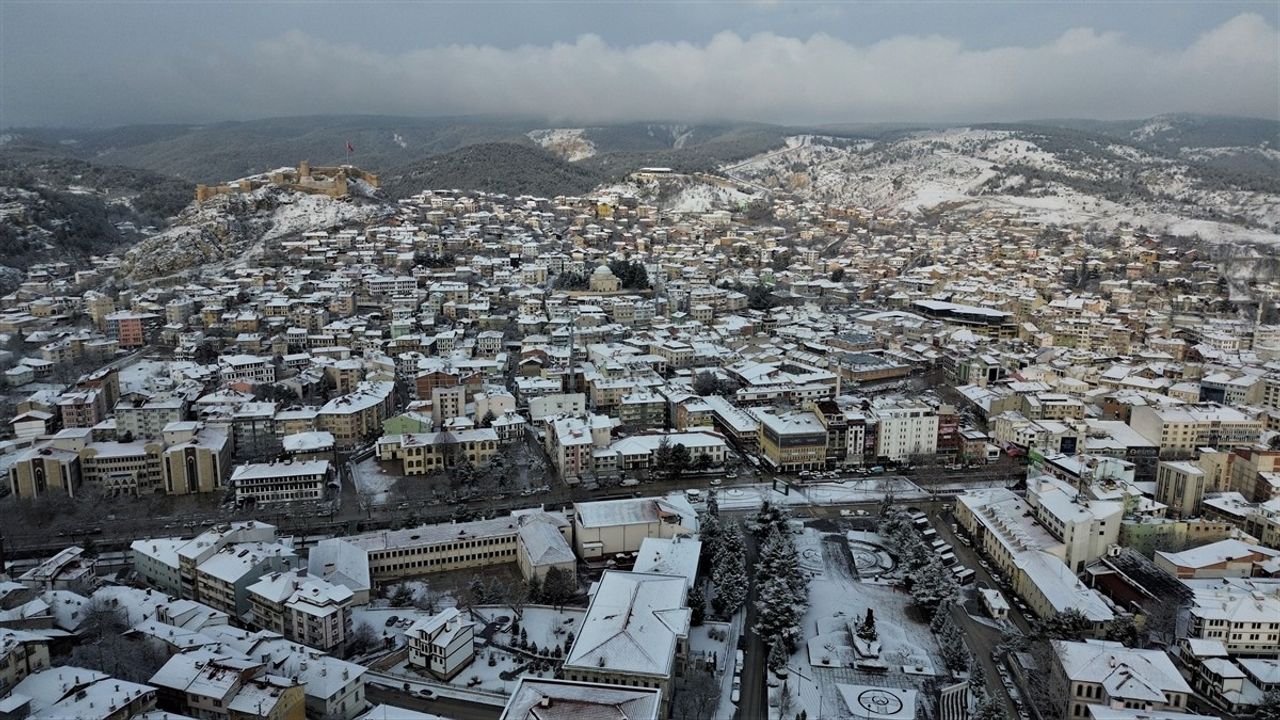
(629, 482)
(715, 482)
(735, 696)
(426, 694)
(731, 476)
(392, 620)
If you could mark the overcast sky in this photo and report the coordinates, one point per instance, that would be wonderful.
(113, 62)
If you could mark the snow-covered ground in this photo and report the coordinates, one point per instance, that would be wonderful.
(373, 482)
(750, 497)
(568, 143)
(546, 627)
(704, 197)
(977, 169)
(144, 376)
(836, 597)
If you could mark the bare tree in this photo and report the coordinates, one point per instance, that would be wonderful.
(697, 697)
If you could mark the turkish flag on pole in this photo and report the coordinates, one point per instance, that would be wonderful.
(350, 148)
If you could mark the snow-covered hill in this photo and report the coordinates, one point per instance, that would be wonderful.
(1054, 175)
(232, 228)
(568, 143)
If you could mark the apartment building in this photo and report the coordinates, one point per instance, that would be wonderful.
(205, 684)
(1255, 473)
(904, 430)
(357, 416)
(21, 654)
(1003, 528)
(68, 691)
(303, 608)
(791, 441)
(1184, 428)
(1180, 485)
(128, 328)
(1086, 527)
(147, 418)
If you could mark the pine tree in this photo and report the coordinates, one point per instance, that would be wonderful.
(477, 592)
(729, 572)
(710, 533)
(697, 605)
(977, 680)
(777, 657)
(954, 652)
(1070, 624)
(988, 709)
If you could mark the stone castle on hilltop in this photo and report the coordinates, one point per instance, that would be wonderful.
(329, 180)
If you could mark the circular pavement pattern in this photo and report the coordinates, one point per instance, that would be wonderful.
(880, 702)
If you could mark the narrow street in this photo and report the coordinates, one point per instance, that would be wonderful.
(982, 639)
(445, 707)
(753, 701)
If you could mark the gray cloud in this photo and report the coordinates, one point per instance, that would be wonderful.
(1233, 68)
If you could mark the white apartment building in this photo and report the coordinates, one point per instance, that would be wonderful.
(1085, 527)
(904, 430)
(1003, 527)
(148, 418)
(303, 608)
(287, 481)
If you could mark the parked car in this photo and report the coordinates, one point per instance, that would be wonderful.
(392, 620)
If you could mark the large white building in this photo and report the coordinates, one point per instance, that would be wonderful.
(287, 481)
(905, 429)
(608, 527)
(1085, 527)
(1003, 527)
(1098, 672)
(246, 368)
(1243, 613)
(1184, 428)
(634, 633)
